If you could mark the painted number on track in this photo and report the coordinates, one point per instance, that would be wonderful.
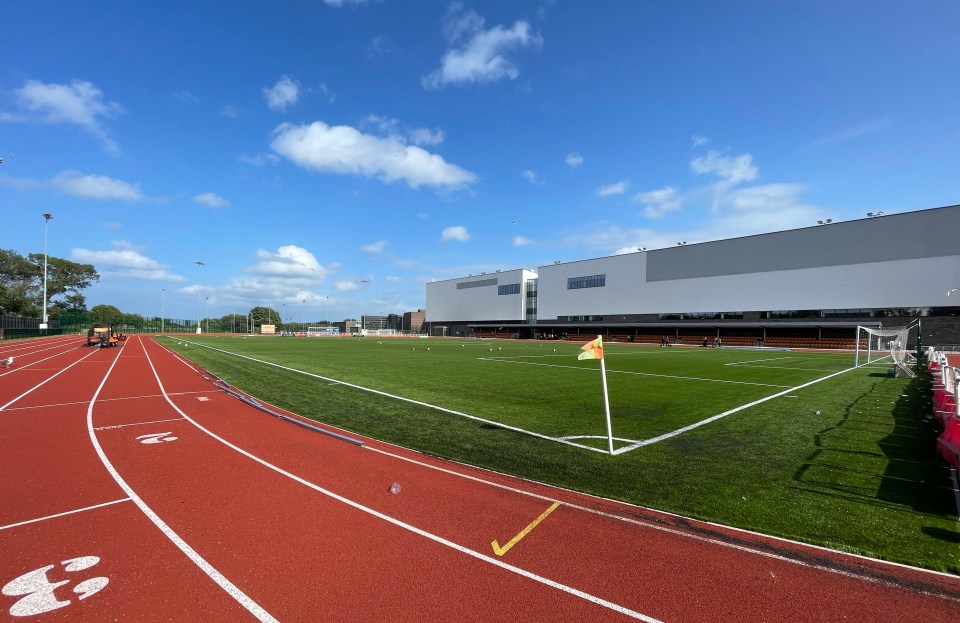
(156, 438)
(38, 591)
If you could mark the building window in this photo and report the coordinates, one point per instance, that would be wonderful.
(510, 288)
(593, 281)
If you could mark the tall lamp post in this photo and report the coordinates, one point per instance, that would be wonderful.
(326, 308)
(163, 308)
(363, 316)
(303, 316)
(46, 223)
(207, 316)
(199, 264)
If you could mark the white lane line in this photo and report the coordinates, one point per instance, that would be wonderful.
(609, 371)
(33, 363)
(176, 419)
(428, 535)
(63, 514)
(251, 606)
(411, 401)
(696, 537)
(83, 402)
(45, 381)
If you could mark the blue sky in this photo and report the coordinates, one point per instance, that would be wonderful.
(331, 157)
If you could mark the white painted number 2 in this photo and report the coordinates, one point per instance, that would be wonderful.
(38, 590)
(156, 438)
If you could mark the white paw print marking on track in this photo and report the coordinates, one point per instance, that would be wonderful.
(156, 438)
(38, 591)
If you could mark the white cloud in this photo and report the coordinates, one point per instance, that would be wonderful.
(617, 188)
(376, 247)
(477, 55)
(381, 46)
(393, 279)
(185, 96)
(734, 169)
(283, 94)
(573, 160)
(125, 261)
(260, 160)
(79, 103)
(864, 129)
(392, 128)
(698, 140)
(289, 262)
(345, 286)
(656, 203)
(521, 241)
(346, 150)
(531, 176)
(340, 3)
(230, 111)
(95, 186)
(457, 232)
(211, 200)
(21, 183)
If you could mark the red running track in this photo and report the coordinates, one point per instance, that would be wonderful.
(134, 489)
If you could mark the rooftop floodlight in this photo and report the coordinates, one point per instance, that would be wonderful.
(869, 213)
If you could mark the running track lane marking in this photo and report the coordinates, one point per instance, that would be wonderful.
(500, 551)
(433, 537)
(698, 537)
(83, 402)
(38, 385)
(251, 606)
(176, 419)
(76, 510)
(22, 367)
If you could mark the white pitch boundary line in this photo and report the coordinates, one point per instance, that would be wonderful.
(714, 418)
(63, 514)
(401, 524)
(740, 363)
(249, 604)
(592, 369)
(403, 399)
(786, 368)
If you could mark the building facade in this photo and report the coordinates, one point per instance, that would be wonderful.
(869, 271)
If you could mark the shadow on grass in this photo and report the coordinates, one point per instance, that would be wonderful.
(880, 456)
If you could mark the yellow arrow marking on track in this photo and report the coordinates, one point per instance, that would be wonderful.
(500, 551)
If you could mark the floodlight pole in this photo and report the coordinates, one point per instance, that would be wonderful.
(199, 264)
(363, 316)
(46, 223)
(163, 308)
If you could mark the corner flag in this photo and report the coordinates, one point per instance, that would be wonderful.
(592, 350)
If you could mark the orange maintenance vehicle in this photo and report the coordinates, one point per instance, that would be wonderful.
(103, 334)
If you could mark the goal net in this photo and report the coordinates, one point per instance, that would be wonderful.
(887, 346)
(318, 331)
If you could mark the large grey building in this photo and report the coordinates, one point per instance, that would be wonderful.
(811, 282)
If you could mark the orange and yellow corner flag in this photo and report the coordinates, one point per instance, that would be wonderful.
(592, 350)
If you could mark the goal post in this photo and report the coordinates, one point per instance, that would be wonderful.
(885, 346)
(318, 331)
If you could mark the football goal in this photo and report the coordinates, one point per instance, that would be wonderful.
(318, 331)
(888, 346)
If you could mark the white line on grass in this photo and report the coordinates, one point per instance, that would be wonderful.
(609, 371)
(714, 418)
(410, 400)
(401, 524)
(740, 363)
(63, 514)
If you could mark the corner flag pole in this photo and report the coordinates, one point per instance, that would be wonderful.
(606, 405)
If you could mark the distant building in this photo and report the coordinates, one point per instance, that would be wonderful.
(816, 282)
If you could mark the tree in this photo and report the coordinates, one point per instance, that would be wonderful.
(21, 283)
(105, 313)
(265, 315)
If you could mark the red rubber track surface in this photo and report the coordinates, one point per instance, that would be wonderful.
(304, 527)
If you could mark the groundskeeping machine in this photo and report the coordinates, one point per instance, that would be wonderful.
(103, 334)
